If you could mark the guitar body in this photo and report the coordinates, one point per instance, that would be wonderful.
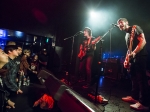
(81, 54)
(128, 64)
(84, 50)
(129, 61)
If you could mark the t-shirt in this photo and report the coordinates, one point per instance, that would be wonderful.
(137, 32)
(90, 47)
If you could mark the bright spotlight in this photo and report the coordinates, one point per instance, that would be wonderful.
(18, 33)
(93, 14)
(98, 18)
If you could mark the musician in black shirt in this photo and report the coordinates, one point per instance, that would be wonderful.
(135, 62)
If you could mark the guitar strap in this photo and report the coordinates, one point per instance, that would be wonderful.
(131, 38)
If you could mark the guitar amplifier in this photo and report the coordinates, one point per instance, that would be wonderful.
(113, 60)
(112, 68)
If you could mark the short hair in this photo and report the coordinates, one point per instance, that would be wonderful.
(122, 19)
(11, 43)
(19, 46)
(26, 51)
(88, 30)
(10, 48)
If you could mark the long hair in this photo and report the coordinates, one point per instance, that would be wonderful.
(88, 30)
(122, 19)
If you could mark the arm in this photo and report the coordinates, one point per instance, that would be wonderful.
(140, 45)
(10, 83)
(9, 103)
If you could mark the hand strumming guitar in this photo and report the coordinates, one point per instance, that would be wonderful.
(84, 49)
(128, 58)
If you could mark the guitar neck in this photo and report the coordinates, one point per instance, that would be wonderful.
(96, 40)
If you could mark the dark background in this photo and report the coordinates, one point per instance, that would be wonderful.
(59, 19)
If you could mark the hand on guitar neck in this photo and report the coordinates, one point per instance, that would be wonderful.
(82, 52)
(96, 40)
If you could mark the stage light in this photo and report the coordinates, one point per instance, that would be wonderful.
(47, 40)
(2, 33)
(99, 19)
(101, 81)
(19, 34)
(94, 14)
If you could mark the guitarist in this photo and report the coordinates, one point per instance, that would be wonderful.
(86, 55)
(137, 56)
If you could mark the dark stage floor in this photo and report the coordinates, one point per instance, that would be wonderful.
(113, 90)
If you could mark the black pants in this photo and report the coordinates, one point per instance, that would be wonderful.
(139, 80)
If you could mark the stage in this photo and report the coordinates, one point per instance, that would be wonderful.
(112, 90)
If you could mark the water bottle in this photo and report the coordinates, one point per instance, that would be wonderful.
(24, 80)
(28, 81)
(1, 83)
(19, 84)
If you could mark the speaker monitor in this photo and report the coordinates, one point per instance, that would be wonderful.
(50, 81)
(112, 69)
(43, 75)
(52, 84)
(72, 102)
(67, 99)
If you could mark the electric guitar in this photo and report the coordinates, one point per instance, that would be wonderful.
(130, 59)
(83, 51)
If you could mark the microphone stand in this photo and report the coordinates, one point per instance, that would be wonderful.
(70, 62)
(100, 62)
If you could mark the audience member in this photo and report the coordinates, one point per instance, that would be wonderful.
(5, 102)
(10, 79)
(11, 43)
(34, 66)
(17, 61)
(43, 59)
(24, 65)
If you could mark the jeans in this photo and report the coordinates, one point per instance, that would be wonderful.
(85, 67)
(139, 80)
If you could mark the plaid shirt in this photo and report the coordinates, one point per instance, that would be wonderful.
(10, 79)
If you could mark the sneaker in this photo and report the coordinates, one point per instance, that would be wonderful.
(129, 99)
(138, 106)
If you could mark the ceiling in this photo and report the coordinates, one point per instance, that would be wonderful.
(63, 18)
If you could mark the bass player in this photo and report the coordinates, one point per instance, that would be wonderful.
(135, 61)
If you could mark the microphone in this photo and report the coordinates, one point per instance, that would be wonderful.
(115, 25)
(80, 32)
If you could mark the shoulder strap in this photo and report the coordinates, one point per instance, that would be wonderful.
(132, 32)
(131, 38)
